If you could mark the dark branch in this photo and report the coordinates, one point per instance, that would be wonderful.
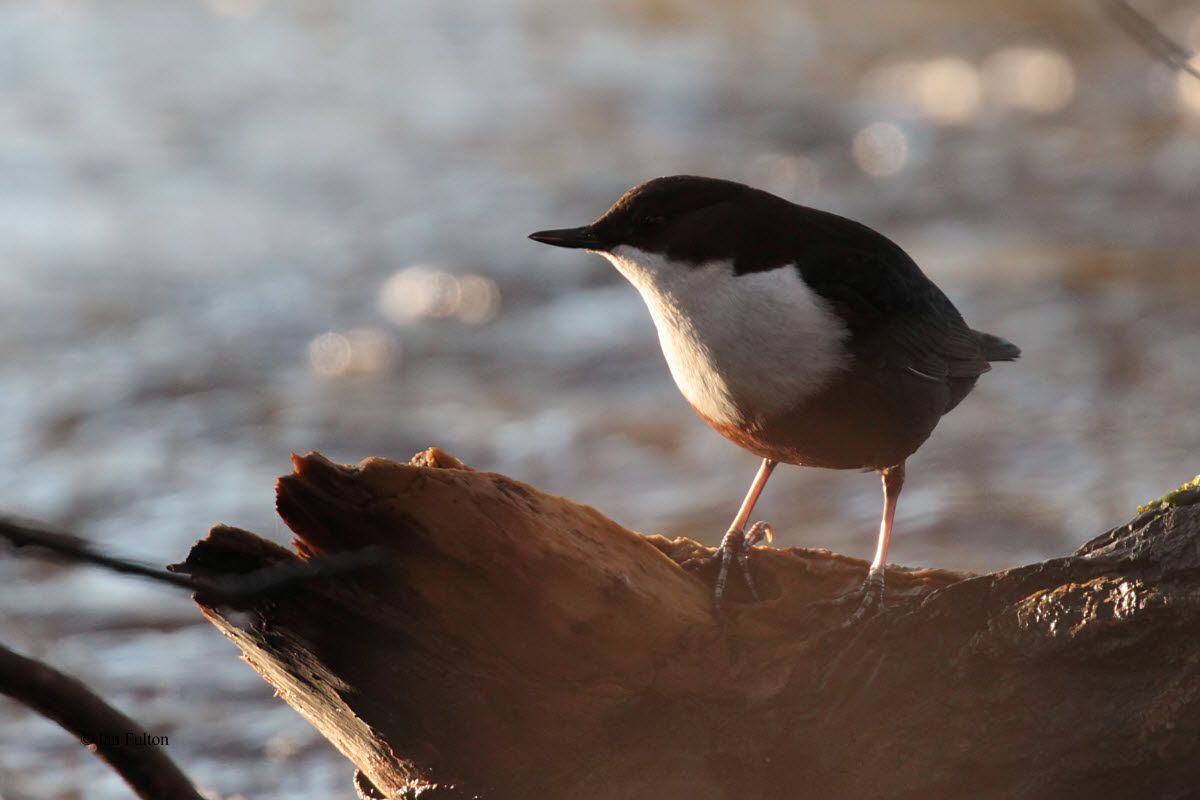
(147, 770)
(260, 582)
(1147, 34)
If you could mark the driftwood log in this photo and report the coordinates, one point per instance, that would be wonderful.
(514, 644)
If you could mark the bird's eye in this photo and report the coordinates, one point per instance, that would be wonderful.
(650, 221)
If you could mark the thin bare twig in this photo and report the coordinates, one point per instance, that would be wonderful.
(263, 581)
(1147, 34)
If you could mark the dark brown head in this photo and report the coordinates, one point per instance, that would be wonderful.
(688, 218)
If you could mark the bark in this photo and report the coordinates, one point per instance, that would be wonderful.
(514, 644)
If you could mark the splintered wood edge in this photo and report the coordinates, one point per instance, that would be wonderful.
(317, 484)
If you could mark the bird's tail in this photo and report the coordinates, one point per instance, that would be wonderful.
(996, 349)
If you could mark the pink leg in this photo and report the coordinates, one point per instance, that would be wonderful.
(872, 589)
(733, 547)
(760, 480)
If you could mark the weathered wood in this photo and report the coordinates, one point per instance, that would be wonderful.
(513, 644)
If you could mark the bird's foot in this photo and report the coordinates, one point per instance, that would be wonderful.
(869, 596)
(734, 554)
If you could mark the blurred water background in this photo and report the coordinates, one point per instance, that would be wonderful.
(233, 229)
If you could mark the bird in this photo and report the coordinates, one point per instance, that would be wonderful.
(800, 335)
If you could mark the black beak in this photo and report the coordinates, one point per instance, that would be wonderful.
(579, 238)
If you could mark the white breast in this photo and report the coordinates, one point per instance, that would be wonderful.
(738, 346)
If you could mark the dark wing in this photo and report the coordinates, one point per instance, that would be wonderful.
(923, 334)
(899, 318)
(934, 341)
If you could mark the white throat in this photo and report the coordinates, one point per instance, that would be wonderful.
(743, 347)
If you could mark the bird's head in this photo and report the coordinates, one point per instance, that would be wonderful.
(681, 219)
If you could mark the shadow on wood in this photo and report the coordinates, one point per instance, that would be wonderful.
(514, 644)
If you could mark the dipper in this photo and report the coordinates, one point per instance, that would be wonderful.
(802, 336)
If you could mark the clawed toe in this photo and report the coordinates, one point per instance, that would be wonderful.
(759, 532)
(734, 554)
(870, 599)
